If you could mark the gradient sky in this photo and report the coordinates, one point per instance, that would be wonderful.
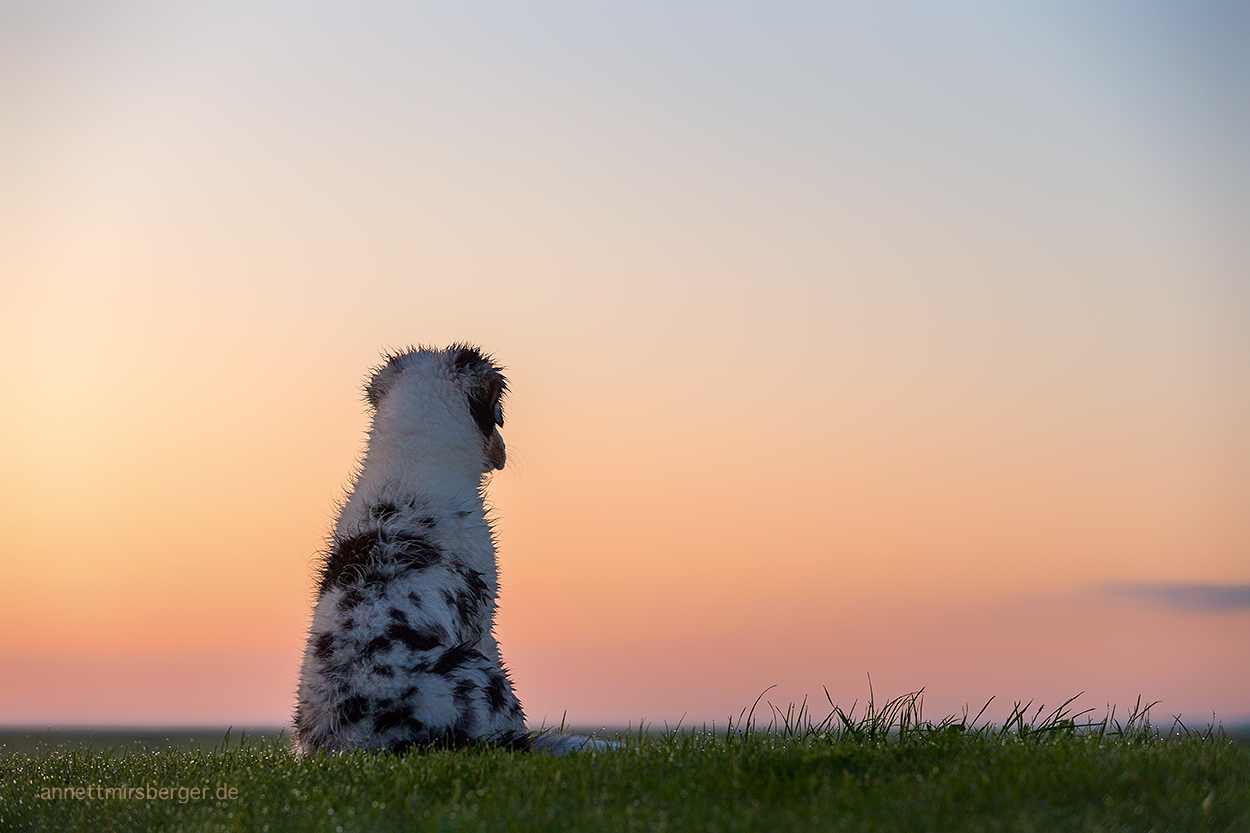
(844, 339)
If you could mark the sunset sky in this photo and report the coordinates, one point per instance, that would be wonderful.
(896, 339)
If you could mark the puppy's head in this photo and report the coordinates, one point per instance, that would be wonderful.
(452, 396)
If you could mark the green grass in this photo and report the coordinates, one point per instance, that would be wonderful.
(886, 769)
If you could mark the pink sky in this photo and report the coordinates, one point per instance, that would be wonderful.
(842, 342)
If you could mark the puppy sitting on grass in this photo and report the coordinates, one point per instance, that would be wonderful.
(401, 651)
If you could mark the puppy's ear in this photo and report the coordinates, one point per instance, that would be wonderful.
(383, 376)
(486, 403)
(485, 387)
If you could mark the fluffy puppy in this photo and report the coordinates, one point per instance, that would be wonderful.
(401, 651)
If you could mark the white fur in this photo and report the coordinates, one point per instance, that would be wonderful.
(378, 671)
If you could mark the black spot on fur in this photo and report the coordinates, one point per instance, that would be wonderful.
(360, 557)
(380, 643)
(464, 699)
(323, 645)
(395, 718)
(398, 616)
(414, 551)
(456, 656)
(468, 602)
(383, 377)
(382, 670)
(351, 598)
(415, 599)
(417, 640)
(347, 556)
(497, 693)
(468, 356)
(429, 520)
(353, 709)
(467, 606)
(383, 511)
(477, 585)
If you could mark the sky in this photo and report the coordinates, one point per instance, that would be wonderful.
(855, 348)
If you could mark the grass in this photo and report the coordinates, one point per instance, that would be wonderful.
(884, 769)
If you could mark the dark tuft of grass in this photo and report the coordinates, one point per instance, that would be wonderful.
(885, 768)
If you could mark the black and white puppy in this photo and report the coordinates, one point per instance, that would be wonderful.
(401, 651)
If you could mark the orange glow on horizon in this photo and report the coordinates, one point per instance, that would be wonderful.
(839, 343)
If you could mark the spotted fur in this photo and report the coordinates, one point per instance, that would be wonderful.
(401, 651)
